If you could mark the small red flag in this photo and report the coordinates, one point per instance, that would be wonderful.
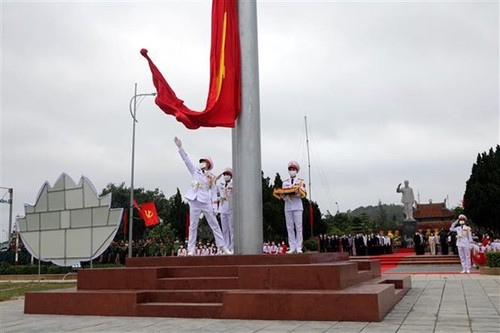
(149, 214)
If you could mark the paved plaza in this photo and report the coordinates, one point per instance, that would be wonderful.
(452, 303)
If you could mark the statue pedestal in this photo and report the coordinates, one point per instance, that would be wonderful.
(409, 228)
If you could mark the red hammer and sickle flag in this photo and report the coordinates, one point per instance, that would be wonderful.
(224, 94)
(148, 214)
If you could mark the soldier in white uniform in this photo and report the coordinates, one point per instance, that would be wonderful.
(202, 195)
(294, 189)
(225, 190)
(464, 242)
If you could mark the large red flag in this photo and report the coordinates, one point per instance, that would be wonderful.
(148, 214)
(224, 94)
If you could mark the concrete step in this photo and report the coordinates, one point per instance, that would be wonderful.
(209, 271)
(181, 296)
(182, 310)
(334, 305)
(281, 259)
(377, 295)
(199, 283)
(286, 287)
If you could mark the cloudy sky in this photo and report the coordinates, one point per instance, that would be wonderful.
(391, 90)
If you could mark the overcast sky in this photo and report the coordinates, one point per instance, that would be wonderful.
(392, 91)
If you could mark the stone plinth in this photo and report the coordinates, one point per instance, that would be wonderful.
(278, 287)
(409, 228)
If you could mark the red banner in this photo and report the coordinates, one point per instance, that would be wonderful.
(125, 222)
(224, 95)
(148, 214)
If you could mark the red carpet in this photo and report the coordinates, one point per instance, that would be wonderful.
(389, 261)
(407, 262)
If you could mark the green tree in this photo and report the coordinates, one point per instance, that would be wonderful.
(482, 191)
(177, 215)
(369, 225)
(163, 233)
(458, 210)
(318, 222)
(381, 214)
(357, 226)
(338, 224)
(274, 226)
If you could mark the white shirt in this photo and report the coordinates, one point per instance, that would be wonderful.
(464, 234)
(203, 186)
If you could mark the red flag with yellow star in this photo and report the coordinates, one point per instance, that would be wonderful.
(224, 94)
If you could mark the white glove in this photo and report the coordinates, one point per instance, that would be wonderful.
(178, 142)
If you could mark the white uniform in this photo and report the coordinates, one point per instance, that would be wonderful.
(201, 196)
(293, 213)
(464, 241)
(182, 252)
(225, 190)
(432, 244)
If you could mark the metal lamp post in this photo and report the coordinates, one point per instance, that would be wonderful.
(133, 110)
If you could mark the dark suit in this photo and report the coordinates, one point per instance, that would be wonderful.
(418, 239)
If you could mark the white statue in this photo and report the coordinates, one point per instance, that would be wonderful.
(407, 199)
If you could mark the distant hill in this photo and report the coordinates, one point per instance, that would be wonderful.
(392, 211)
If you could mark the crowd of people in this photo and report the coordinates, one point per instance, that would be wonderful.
(359, 244)
(432, 242)
(274, 248)
(444, 241)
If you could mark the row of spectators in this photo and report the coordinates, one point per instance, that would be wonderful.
(432, 242)
(442, 241)
(359, 244)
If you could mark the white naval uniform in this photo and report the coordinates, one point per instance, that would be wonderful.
(464, 241)
(225, 190)
(201, 195)
(293, 213)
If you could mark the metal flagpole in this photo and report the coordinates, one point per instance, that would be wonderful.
(309, 170)
(131, 204)
(247, 203)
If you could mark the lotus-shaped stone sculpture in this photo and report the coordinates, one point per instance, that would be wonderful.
(69, 222)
